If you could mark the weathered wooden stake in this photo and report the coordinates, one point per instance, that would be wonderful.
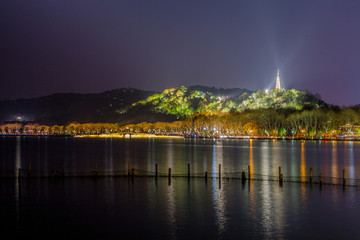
(169, 176)
(280, 178)
(129, 169)
(156, 170)
(188, 170)
(310, 178)
(249, 177)
(19, 175)
(320, 179)
(220, 171)
(344, 180)
(132, 172)
(243, 176)
(206, 175)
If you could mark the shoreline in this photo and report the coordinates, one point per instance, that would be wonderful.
(142, 136)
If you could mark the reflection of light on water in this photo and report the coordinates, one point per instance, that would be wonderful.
(219, 201)
(302, 163)
(276, 158)
(265, 163)
(17, 166)
(218, 196)
(171, 196)
(252, 203)
(171, 212)
(109, 167)
(266, 210)
(18, 154)
(170, 156)
(108, 155)
(351, 166)
(270, 206)
(46, 154)
(303, 178)
(334, 160)
(65, 164)
(265, 205)
(127, 154)
(217, 158)
(251, 159)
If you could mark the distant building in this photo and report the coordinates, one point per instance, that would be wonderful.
(277, 85)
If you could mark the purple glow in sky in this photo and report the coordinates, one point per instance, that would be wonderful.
(92, 46)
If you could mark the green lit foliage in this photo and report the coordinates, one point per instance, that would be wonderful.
(283, 99)
(183, 102)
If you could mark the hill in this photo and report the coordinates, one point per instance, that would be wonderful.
(64, 108)
(127, 105)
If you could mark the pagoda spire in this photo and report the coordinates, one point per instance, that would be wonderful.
(277, 85)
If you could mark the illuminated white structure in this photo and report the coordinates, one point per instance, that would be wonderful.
(277, 85)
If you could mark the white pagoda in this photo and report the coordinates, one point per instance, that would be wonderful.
(277, 85)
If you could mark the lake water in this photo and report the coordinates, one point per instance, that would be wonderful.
(141, 208)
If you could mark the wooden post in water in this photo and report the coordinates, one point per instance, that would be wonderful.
(310, 177)
(320, 179)
(243, 176)
(206, 175)
(19, 174)
(219, 171)
(129, 169)
(249, 172)
(344, 181)
(156, 170)
(189, 170)
(280, 175)
(169, 176)
(132, 173)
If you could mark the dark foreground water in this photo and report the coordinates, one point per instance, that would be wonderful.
(125, 208)
(119, 208)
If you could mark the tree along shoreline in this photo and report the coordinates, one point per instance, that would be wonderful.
(322, 124)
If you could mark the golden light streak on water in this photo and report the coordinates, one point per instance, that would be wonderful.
(302, 163)
(251, 159)
(335, 168)
(252, 200)
(303, 193)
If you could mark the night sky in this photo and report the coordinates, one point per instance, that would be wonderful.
(49, 46)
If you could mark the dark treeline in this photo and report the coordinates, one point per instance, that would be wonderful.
(328, 122)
